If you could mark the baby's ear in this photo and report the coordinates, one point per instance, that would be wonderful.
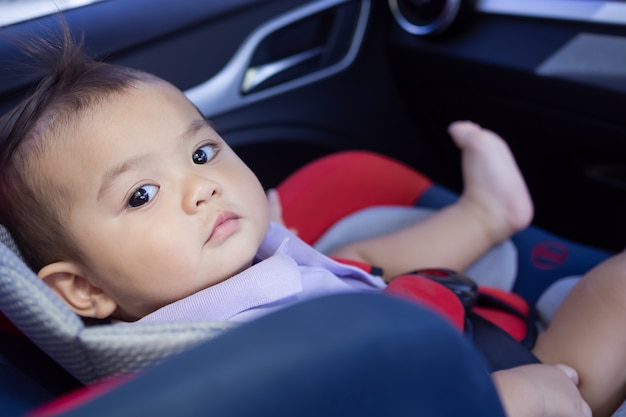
(70, 282)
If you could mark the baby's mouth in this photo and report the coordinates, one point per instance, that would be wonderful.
(226, 224)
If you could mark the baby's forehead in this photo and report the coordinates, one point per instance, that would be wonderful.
(91, 114)
(74, 113)
(117, 117)
(124, 116)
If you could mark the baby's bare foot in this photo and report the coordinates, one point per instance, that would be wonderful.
(492, 180)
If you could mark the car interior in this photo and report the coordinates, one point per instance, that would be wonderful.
(286, 82)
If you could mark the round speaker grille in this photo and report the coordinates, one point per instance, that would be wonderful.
(424, 17)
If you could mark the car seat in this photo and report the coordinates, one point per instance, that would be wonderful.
(316, 199)
(356, 180)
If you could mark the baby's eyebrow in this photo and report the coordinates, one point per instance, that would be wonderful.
(111, 174)
(195, 127)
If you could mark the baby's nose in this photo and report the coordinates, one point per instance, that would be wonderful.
(199, 191)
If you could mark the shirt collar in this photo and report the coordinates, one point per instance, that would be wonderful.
(269, 280)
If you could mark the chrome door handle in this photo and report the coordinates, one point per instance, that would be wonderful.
(255, 76)
(239, 83)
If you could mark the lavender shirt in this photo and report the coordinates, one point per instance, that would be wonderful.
(288, 270)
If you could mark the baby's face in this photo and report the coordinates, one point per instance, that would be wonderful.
(162, 206)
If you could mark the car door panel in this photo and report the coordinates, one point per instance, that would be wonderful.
(561, 112)
(185, 42)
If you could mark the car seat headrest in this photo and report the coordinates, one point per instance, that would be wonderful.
(7, 240)
(87, 352)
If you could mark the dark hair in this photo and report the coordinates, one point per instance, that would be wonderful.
(31, 207)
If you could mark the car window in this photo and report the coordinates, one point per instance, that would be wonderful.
(15, 11)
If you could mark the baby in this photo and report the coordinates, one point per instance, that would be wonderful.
(126, 201)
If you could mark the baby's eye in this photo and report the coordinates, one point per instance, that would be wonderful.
(204, 154)
(142, 195)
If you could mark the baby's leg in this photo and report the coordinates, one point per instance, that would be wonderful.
(494, 204)
(493, 183)
(587, 334)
